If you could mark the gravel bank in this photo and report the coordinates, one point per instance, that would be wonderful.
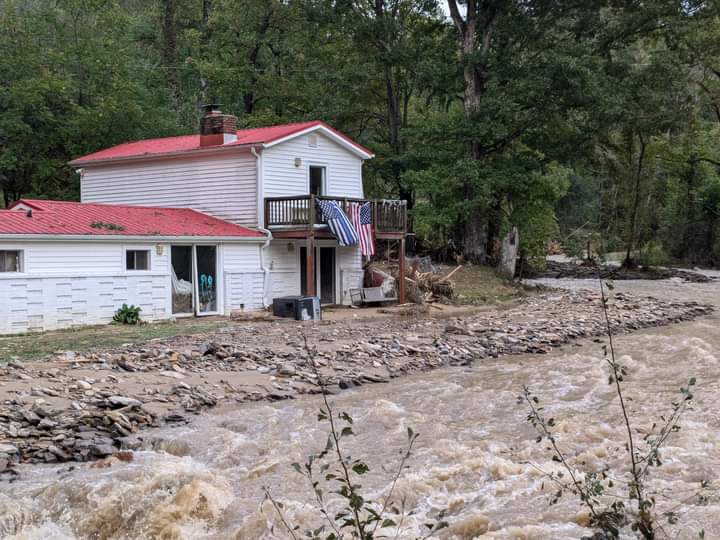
(80, 407)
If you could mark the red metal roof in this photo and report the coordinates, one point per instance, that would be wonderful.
(187, 143)
(74, 218)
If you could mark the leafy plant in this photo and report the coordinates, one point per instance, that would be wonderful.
(127, 314)
(333, 471)
(637, 506)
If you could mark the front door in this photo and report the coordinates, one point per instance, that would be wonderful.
(327, 275)
(324, 273)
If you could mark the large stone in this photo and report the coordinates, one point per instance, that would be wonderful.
(123, 401)
(8, 449)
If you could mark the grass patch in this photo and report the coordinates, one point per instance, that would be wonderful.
(38, 345)
(477, 285)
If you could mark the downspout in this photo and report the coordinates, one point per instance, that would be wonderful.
(267, 233)
(266, 271)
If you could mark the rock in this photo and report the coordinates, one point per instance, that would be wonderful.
(30, 417)
(207, 348)
(46, 423)
(287, 370)
(102, 450)
(117, 402)
(8, 449)
(84, 385)
(16, 364)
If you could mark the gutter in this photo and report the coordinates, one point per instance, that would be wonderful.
(127, 238)
(161, 155)
(261, 222)
(266, 271)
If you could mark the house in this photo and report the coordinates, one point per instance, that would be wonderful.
(212, 223)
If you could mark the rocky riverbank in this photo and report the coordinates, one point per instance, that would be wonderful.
(573, 270)
(79, 407)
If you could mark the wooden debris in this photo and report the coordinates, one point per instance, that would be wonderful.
(429, 287)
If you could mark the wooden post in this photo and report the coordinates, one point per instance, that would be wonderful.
(401, 271)
(310, 266)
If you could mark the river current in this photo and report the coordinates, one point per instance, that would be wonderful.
(476, 459)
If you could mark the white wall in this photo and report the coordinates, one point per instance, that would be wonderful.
(349, 261)
(282, 178)
(284, 267)
(67, 284)
(243, 278)
(223, 185)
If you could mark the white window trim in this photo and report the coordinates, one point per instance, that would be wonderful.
(21, 262)
(134, 271)
(325, 183)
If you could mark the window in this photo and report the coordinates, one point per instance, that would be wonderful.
(137, 259)
(11, 261)
(317, 180)
(312, 141)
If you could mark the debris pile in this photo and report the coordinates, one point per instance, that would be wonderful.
(428, 287)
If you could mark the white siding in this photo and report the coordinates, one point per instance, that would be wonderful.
(70, 284)
(282, 178)
(284, 265)
(349, 262)
(243, 278)
(222, 185)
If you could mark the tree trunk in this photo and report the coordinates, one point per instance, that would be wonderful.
(169, 48)
(204, 44)
(632, 232)
(475, 43)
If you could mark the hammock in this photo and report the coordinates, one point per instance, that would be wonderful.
(180, 286)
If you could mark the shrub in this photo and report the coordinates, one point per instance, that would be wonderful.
(127, 314)
(653, 254)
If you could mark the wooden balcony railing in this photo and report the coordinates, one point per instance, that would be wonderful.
(389, 217)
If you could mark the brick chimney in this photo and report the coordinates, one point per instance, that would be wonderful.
(217, 128)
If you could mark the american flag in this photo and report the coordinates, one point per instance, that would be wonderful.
(361, 215)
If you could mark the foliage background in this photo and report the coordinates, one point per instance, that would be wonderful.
(572, 121)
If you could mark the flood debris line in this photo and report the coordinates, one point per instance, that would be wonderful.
(76, 407)
(563, 270)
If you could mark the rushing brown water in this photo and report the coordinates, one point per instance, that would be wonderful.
(476, 458)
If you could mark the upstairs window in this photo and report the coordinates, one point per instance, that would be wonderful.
(317, 180)
(137, 259)
(11, 261)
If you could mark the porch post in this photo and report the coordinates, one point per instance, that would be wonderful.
(310, 266)
(401, 261)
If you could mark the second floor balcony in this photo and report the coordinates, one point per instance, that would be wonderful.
(299, 216)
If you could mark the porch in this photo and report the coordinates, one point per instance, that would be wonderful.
(298, 218)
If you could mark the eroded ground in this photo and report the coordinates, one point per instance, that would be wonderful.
(83, 406)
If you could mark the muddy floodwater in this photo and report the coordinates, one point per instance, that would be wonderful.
(476, 458)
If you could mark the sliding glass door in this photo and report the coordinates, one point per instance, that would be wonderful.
(194, 280)
(183, 280)
(206, 264)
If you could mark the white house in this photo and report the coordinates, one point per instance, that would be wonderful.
(213, 223)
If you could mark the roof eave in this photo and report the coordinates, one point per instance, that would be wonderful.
(146, 157)
(28, 237)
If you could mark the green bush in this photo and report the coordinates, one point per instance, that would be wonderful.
(653, 254)
(127, 314)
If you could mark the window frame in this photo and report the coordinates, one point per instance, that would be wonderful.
(20, 261)
(134, 252)
(323, 182)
